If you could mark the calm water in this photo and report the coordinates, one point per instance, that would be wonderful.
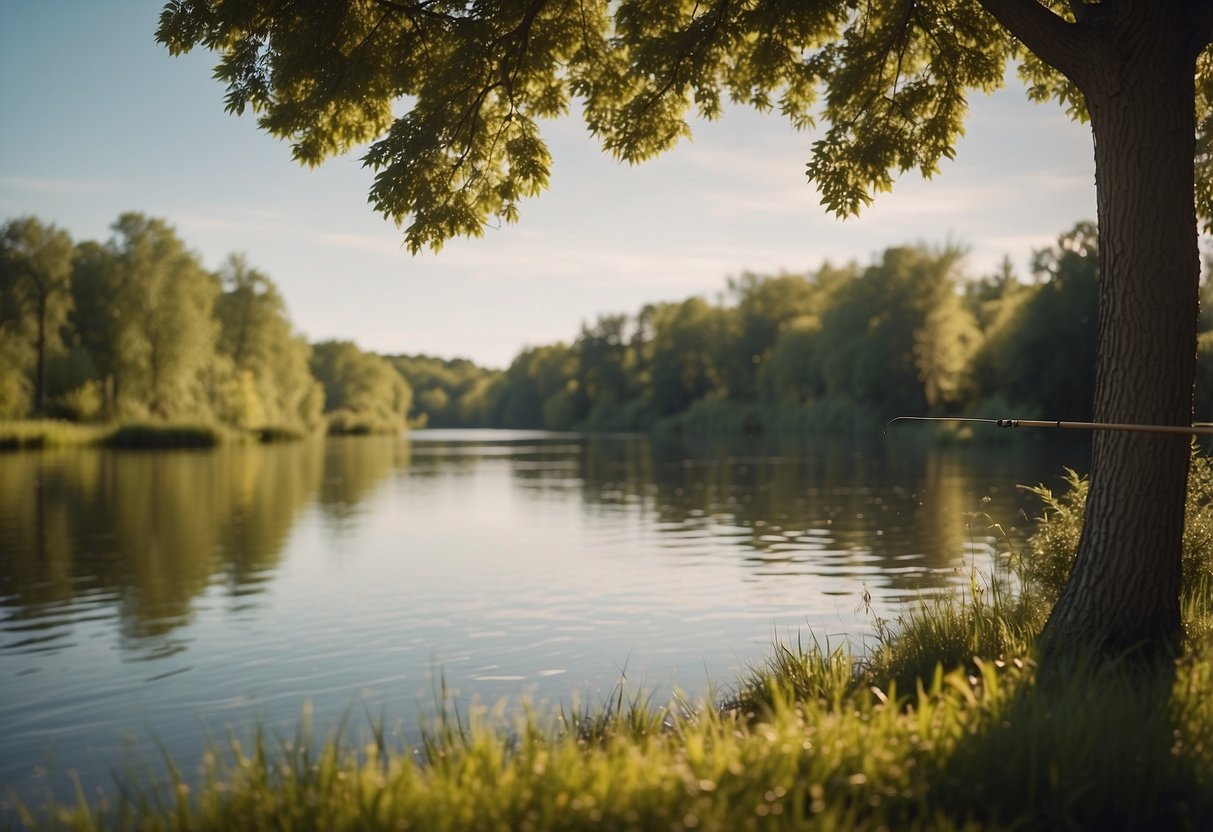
(164, 597)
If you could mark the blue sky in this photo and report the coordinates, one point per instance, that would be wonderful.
(98, 119)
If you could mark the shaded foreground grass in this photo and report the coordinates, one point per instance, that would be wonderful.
(943, 725)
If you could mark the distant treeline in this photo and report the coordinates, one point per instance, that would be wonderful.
(136, 327)
(842, 348)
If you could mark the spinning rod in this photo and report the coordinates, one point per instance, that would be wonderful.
(1196, 429)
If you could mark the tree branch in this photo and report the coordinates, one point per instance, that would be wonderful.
(1055, 41)
(414, 10)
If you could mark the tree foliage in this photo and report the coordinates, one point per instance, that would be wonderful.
(269, 381)
(683, 354)
(35, 299)
(1040, 351)
(165, 303)
(473, 81)
(837, 348)
(363, 393)
(447, 393)
(841, 346)
(136, 327)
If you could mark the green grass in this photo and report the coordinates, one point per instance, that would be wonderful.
(943, 724)
(32, 434)
(46, 433)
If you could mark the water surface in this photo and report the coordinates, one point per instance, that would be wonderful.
(164, 597)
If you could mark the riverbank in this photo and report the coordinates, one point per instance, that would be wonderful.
(942, 724)
(816, 740)
(33, 434)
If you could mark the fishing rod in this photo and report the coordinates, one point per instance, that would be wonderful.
(1196, 429)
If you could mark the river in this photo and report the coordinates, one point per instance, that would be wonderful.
(167, 600)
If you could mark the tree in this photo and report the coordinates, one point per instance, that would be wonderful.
(606, 378)
(473, 79)
(1039, 352)
(363, 393)
(681, 354)
(446, 393)
(165, 328)
(896, 339)
(272, 383)
(536, 391)
(793, 375)
(764, 305)
(36, 275)
(95, 318)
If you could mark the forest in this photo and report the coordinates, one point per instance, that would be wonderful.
(137, 328)
(844, 348)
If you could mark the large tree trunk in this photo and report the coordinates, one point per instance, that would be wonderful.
(1123, 592)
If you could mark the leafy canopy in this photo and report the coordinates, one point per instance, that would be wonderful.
(449, 93)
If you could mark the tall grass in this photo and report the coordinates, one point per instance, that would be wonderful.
(29, 434)
(46, 433)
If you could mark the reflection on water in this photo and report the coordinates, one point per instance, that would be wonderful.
(169, 594)
(142, 534)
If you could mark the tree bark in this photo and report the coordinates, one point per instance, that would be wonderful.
(1123, 591)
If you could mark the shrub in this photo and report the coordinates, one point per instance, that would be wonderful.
(1051, 549)
(84, 403)
(170, 435)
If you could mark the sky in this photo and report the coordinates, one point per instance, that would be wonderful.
(96, 119)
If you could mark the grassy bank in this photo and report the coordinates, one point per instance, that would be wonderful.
(47, 433)
(51, 433)
(943, 724)
(820, 741)
(832, 418)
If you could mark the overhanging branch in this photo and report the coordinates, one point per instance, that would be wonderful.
(1055, 41)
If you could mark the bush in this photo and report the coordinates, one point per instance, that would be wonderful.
(1051, 549)
(148, 435)
(344, 422)
(270, 434)
(84, 403)
(44, 433)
